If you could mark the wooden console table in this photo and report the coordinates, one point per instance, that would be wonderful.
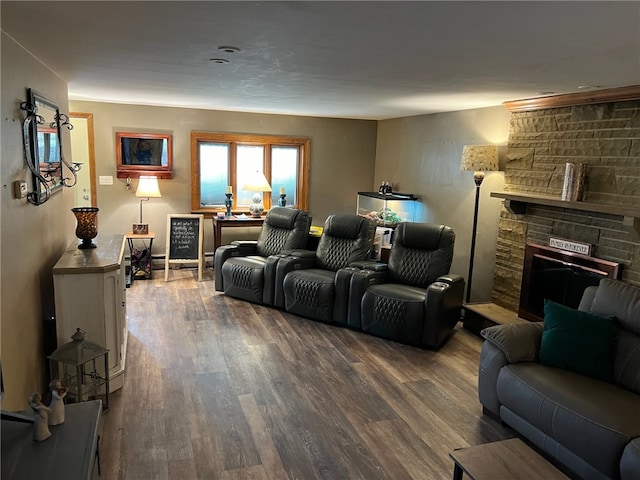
(220, 223)
(70, 452)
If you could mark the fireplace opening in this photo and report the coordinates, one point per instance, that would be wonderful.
(560, 276)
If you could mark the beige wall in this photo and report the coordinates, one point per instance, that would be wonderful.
(421, 155)
(342, 159)
(32, 237)
(418, 154)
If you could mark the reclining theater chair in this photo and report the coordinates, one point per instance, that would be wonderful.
(243, 269)
(309, 284)
(419, 302)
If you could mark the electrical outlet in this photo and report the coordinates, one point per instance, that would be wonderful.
(19, 189)
(105, 180)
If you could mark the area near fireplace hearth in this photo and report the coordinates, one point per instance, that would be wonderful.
(604, 136)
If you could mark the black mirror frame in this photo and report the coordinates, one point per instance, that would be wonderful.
(45, 182)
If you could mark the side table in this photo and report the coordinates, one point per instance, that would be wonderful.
(220, 223)
(70, 453)
(140, 268)
(477, 316)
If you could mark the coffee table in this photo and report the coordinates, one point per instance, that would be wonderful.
(511, 459)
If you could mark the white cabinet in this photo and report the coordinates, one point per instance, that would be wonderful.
(90, 293)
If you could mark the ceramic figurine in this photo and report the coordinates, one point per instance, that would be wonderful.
(58, 392)
(40, 418)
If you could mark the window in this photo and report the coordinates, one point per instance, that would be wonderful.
(221, 159)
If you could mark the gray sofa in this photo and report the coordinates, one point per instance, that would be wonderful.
(590, 426)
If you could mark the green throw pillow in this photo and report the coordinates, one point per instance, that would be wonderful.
(578, 341)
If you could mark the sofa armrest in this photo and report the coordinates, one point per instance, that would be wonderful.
(222, 254)
(504, 344)
(286, 264)
(519, 342)
(443, 304)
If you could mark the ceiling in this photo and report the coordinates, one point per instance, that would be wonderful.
(365, 60)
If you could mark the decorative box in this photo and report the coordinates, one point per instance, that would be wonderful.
(387, 209)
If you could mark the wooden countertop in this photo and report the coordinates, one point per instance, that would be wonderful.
(104, 258)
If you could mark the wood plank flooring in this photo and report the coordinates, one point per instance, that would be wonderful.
(217, 388)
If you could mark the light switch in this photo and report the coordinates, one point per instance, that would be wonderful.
(106, 180)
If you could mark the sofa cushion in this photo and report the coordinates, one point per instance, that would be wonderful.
(621, 300)
(578, 341)
(593, 419)
(626, 360)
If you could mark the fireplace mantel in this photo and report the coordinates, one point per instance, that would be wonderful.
(516, 203)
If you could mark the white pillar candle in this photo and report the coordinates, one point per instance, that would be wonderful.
(229, 189)
(281, 190)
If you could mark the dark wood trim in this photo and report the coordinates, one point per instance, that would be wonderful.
(631, 92)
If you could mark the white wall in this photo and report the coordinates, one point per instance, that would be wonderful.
(421, 155)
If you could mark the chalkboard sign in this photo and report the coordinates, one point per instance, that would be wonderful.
(184, 241)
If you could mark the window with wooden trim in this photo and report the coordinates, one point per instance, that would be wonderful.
(219, 160)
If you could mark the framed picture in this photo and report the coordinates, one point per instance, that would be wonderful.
(144, 154)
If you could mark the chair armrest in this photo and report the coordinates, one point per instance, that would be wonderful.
(443, 305)
(370, 265)
(287, 264)
(519, 342)
(222, 254)
(270, 271)
(358, 284)
(245, 247)
(298, 252)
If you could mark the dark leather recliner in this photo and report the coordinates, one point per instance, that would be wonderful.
(308, 286)
(416, 301)
(246, 269)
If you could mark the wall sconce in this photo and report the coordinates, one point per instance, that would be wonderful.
(479, 159)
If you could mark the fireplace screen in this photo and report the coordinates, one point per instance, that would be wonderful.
(559, 276)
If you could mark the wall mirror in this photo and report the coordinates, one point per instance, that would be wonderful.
(143, 154)
(43, 148)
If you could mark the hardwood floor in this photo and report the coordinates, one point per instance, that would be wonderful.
(217, 388)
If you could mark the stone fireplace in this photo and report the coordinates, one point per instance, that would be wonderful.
(606, 137)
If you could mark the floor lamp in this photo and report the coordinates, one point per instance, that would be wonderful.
(478, 159)
(147, 188)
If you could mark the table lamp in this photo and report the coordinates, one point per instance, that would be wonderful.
(147, 188)
(479, 159)
(257, 183)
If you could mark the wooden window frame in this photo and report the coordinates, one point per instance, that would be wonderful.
(235, 139)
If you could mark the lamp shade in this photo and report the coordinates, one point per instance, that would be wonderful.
(257, 183)
(479, 158)
(148, 187)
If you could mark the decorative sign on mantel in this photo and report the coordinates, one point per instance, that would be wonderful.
(570, 245)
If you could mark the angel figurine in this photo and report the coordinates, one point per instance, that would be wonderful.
(40, 417)
(58, 392)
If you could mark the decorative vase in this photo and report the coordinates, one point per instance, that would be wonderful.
(87, 228)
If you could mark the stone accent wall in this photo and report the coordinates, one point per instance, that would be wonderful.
(605, 137)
